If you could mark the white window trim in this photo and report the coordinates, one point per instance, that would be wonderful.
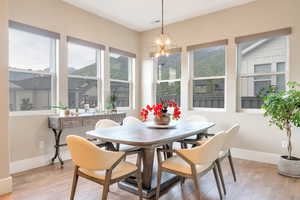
(192, 79)
(54, 84)
(130, 81)
(286, 73)
(158, 81)
(98, 77)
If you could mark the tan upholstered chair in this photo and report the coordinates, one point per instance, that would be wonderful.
(102, 167)
(189, 163)
(131, 120)
(225, 152)
(189, 140)
(107, 123)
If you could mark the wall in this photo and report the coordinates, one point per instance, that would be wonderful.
(5, 179)
(259, 16)
(30, 138)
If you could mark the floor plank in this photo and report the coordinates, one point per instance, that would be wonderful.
(256, 181)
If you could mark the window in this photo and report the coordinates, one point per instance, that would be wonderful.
(208, 73)
(261, 64)
(32, 66)
(168, 78)
(84, 73)
(121, 67)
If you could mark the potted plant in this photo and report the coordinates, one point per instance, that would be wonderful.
(64, 110)
(283, 110)
(112, 103)
(160, 111)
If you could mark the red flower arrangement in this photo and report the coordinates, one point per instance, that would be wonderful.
(160, 108)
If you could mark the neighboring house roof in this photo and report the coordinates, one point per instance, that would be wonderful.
(254, 45)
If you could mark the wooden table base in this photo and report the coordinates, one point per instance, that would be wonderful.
(168, 180)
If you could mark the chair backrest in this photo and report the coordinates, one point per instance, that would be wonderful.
(229, 135)
(87, 155)
(131, 120)
(106, 123)
(196, 118)
(206, 153)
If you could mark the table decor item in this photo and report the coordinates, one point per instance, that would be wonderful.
(160, 111)
(153, 124)
(112, 103)
(283, 110)
(63, 110)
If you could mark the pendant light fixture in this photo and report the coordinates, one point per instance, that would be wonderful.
(163, 42)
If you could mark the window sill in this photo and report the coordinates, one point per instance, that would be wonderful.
(251, 111)
(209, 109)
(31, 113)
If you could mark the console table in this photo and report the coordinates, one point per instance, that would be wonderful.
(59, 123)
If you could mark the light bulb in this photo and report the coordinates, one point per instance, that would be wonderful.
(168, 41)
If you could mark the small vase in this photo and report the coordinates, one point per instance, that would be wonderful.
(66, 112)
(164, 119)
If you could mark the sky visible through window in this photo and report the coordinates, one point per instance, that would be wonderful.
(29, 51)
(33, 52)
(80, 56)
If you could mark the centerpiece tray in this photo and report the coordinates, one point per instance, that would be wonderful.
(152, 124)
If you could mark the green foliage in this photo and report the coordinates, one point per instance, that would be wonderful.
(112, 102)
(26, 105)
(283, 108)
(209, 62)
(61, 107)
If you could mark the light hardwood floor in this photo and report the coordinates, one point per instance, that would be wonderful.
(256, 181)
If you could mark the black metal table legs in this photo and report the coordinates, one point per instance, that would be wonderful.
(57, 146)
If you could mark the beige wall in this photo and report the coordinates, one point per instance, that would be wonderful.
(5, 181)
(26, 132)
(259, 16)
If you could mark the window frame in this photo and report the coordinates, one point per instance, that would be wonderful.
(131, 69)
(193, 78)
(99, 65)
(267, 61)
(156, 80)
(54, 56)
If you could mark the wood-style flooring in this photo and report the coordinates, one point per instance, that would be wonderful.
(256, 181)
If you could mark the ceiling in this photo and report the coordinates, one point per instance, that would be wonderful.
(141, 15)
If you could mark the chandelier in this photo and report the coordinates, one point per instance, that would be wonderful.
(163, 42)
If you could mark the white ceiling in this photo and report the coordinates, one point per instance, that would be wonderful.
(141, 14)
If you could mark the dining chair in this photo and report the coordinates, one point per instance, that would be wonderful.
(131, 120)
(194, 118)
(189, 163)
(225, 152)
(107, 123)
(100, 166)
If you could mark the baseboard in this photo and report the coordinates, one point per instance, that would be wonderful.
(5, 185)
(27, 164)
(31, 163)
(255, 155)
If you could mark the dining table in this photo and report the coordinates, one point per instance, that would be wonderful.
(147, 139)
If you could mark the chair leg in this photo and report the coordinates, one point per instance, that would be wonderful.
(159, 172)
(74, 184)
(182, 145)
(217, 182)
(221, 175)
(139, 182)
(231, 165)
(196, 183)
(105, 190)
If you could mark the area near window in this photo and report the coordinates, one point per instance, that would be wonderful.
(84, 62)
(32, 67)
(168, 77)
(207, 63)
(121, 68)
(262, 63)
